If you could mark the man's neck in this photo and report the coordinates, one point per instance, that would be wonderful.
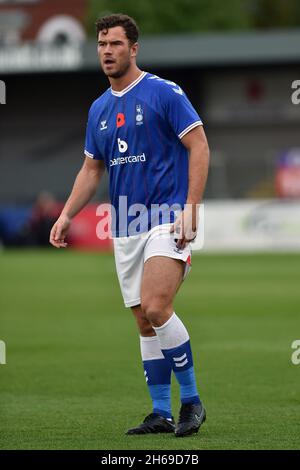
(118, 84)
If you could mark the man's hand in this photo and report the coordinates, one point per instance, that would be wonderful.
(186, 225)
(59, 231)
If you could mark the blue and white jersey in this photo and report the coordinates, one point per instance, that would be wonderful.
(138, 132)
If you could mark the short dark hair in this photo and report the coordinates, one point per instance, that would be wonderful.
(110, 21)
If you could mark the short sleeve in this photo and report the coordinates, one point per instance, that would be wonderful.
(91, 149)
(180, 113)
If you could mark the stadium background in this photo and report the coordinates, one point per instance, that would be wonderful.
(73, 377)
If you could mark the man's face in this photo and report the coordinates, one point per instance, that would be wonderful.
(115, 52)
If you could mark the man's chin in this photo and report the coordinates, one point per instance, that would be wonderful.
(117, 74)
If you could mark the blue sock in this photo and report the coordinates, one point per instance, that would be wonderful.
(182, 364)
(158, 375)
(176, 348)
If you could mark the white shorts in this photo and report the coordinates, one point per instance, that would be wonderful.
(132, 252)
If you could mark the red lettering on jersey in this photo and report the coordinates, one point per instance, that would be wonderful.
(120, 120)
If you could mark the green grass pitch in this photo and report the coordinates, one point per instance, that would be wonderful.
(74, 379)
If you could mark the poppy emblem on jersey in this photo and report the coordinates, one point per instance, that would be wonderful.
(120, 120)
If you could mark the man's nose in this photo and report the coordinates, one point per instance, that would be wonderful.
(107, 49)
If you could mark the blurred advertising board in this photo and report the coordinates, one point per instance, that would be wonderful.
(224, 225)
(255, 225)
(83, 233)
(229, 225)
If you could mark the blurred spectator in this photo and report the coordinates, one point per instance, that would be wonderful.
(25, 226)
(44, 213)
(288, 174)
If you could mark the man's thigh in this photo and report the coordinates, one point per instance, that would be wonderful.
(161, 279)
(129, 259)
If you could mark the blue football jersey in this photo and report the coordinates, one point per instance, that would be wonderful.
(138, 132)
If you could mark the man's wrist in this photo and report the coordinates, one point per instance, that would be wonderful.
(192, 202)
(66, 215)
(192, 206)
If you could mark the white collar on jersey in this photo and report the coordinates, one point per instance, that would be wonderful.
(129, 87)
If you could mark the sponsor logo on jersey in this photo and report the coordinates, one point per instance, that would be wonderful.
(176, 88)
(128, 159)
(123, 146)
(139, 115)
(103, 125)
(120, 120)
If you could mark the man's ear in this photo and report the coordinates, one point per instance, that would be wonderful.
(134, 49)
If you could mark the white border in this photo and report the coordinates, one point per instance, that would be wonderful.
(129, 87)
(88, 154)
(189, 128)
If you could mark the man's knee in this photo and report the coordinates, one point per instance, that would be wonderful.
(145, 328)
(144, 325)
(156, 311)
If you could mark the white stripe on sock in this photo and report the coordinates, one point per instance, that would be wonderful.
(180, 358)
(181, 364)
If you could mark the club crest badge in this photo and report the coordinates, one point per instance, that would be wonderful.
(139, 115)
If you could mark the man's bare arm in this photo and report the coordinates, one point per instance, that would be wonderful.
(84, 188)
(196, 143)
